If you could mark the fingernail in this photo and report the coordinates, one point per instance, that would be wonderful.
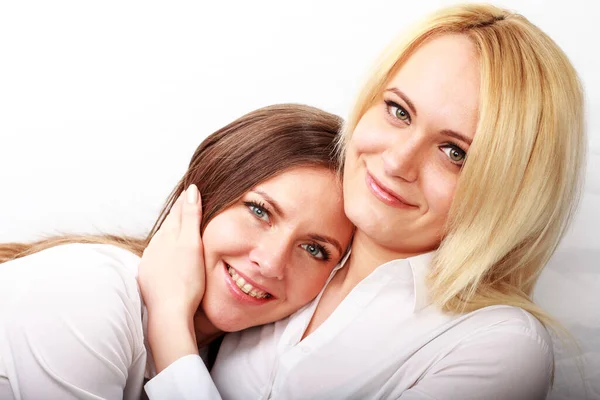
(192, 194)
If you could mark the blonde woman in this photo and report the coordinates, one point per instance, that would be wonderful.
(462, 166)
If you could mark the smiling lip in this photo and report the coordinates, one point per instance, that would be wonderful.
(386, 195)
(239, 294)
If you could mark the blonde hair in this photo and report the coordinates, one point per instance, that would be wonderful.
(520, 184)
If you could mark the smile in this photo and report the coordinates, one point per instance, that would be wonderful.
(386, 195)
(245, 286)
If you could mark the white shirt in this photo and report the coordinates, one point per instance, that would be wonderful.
(382, 342)
(72, 326)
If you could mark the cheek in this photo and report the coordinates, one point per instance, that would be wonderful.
(224, 235)
(368, 140)
(439, 191)
(306, 285)
(369, 136)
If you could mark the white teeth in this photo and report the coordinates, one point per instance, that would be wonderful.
(245, 286)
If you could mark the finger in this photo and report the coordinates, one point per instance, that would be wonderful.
(192, 215)
(172, 222)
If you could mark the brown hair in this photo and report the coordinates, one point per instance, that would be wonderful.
(227, 164)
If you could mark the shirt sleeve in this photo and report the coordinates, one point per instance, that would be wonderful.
(500, 363)
(185, 379)
(71, 327)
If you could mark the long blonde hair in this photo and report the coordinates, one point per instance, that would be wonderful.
(520, 184)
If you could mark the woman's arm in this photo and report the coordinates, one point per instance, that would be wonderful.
(185, 379)
(71, 324)
(171, 278)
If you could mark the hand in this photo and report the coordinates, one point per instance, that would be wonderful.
(171, 277)
(171, 273)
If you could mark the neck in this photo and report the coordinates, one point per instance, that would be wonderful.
(367, 255)
(205, 331)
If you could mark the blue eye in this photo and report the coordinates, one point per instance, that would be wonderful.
(317, 251)
(258, 210)
(455, 154)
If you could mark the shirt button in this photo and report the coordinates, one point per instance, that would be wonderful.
(305, 349)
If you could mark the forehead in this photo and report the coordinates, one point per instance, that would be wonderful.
(442, 78)
(310, 203)
(310, 195)
(302, 184)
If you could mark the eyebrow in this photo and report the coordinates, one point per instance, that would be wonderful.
(456, 135)
(447, 132)
(404, 97)
(271, 201)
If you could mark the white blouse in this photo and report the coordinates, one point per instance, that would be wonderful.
(382, 342)
(71, 325)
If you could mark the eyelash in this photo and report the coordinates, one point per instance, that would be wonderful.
(260, 206)
(252, 206)
(454, 146)
(389, 104)
(326, 253)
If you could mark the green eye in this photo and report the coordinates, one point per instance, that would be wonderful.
(396, 111)
(401, 114)
(455, 154)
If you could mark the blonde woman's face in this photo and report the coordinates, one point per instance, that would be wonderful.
(405, 155)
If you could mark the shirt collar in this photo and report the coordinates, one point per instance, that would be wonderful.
(420, 266)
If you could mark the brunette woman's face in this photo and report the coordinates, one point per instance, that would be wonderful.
(272, 251)
(405, 155)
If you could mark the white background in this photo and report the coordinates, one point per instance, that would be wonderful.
(103, 103)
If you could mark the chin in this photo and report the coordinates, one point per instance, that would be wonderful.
(364, 216)
(402, 236)
(222, 316)
(227, 322)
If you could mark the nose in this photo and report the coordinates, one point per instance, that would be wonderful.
(403, 158)
(271, 255)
